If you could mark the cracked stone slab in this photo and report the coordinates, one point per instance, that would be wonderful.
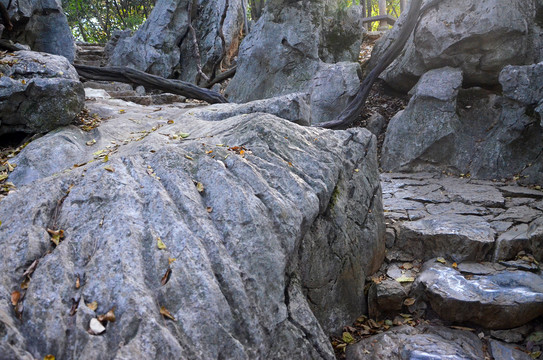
(500, 300)
(523, 214)
(481, 195)
(456, 208)
(457, 237)
(519, 191)
(422, 342)
(244, 234)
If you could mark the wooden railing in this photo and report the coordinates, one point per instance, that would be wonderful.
(384, 19)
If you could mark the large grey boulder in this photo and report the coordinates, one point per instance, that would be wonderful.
(42, 25)
(38, 92)
(479, 37)
(498, 300)
(290, 49)
(163, 45)
(257, 215)
(473, 130)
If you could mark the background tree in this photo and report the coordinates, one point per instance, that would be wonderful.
(94, 20)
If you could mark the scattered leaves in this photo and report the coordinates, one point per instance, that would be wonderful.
(166, 277)
(93, 305)
(96, 327)
(164, 312)
(160, 244)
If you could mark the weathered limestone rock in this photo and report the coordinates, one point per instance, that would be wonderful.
(286, 52)
(479, 37)
(247, 236)
(38, 92)
(500, 300)
(422, 342)
(163, 45)
(456, 237)
(385, 297)
(472, 131)
(43, 26)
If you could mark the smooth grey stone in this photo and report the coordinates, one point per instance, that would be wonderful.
(501, 351)
(421, 342)
(501, 300)
(261, 239)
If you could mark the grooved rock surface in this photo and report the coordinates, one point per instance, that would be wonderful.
(38, 92)
(478, 36)
(261, 269)
(498, 300)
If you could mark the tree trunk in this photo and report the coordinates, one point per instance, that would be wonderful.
(132, 76)
(355, 107)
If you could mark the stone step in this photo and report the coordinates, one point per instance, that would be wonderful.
(460, 219)
(90, 52)
(88, 62)
(90, 57)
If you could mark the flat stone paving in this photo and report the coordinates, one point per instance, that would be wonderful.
(460, 219)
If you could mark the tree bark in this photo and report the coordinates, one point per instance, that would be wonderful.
(353, 110)
(132, 76)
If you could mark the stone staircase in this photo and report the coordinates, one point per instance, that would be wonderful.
(93, 55)
(461, 278)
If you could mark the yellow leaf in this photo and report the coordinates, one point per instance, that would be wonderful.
(404, 279)
(455, 265)
(164, 312)
(188, 157)
(109, 168)
(171, 260)
(122, 111)
(441, 260)
(160, 244)
(91, 142)
(348, 338)
(183, 135)
(93, 305)
(49, 357)
(200, 187)
(409, 301)
(24, 284)
(3, 177)
(170, 121)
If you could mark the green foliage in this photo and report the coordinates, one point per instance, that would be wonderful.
(94, 20)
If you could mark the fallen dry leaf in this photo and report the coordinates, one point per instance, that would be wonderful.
(77, 282)
(109, 316)
(409, 301)
(209, 209)
(166, 277)
(49, 357)
(15, 297)
(93, 305)
(347, 338)
(56, 235)
(441, 260)
(200, 187)
(404, 279)
(160, 244)
(25, 283)
(109, 168)
(164, 312)
(171, 260)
